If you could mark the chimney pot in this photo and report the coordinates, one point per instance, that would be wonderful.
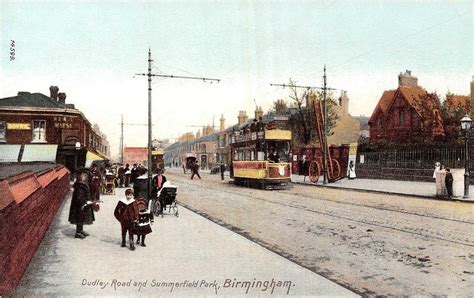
(62, 97)
(53, 91)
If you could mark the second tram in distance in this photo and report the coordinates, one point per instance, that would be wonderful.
(261, 156)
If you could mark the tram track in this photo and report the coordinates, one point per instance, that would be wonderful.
(355, 204)
(357, 216)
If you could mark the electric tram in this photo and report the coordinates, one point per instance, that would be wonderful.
(261, 156)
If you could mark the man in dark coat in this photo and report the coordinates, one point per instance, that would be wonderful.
(80, 212)
(121, 176)
(448, 180)
(128, 174)
(134, 173)
(195, 170)
(95, 182)
(222, 168)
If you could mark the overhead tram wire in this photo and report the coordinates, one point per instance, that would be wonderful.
(405, 37)
(386, 45)
(150, 76)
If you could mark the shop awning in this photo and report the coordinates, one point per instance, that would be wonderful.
(40, 152)
(91, 157)
(9, 153)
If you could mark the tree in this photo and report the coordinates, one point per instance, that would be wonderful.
(302, 120)
(452, 114)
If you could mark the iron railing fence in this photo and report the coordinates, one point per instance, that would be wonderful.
(417, 158)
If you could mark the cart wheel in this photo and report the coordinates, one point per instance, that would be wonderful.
(336, 169)
(314, 171)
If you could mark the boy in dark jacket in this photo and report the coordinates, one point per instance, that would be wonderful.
(126, 213)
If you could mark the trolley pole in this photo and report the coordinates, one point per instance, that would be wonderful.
(150, 75)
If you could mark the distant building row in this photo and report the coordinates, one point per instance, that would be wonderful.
(212, 146)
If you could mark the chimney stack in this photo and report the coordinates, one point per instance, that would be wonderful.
(407, 80)
(258, 113)
(344, 102)
(62, 97)
(53, 91)
(242, 118)
(222, 123)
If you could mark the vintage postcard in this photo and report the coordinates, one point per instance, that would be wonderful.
(236, 148)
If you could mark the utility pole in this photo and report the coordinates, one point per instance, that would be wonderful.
(150, 75)
(121, 140)
(122, 143)
(325, 122)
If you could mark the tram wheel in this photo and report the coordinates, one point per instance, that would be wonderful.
(314, 171)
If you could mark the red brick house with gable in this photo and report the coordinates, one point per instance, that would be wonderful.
(407, 113)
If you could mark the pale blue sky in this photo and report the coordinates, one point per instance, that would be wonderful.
(91, 50)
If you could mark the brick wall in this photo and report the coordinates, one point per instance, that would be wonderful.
(28, 205)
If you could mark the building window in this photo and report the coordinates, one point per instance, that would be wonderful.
(379, 122)
(3, 128)
(39, 131)
(401, 117)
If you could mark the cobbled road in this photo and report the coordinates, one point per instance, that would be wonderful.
(370, 243)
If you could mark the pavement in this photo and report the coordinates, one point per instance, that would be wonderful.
(410, 188)
(185, 256)
(384, 186)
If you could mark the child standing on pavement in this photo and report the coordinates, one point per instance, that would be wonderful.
(145, 219)
(126, 212)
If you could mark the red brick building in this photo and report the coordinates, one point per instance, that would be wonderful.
(135, 155)
(37, 119)
(406, 113)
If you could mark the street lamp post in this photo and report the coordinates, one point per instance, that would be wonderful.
(466, 127)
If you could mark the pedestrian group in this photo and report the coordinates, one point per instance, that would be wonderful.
(134, 215)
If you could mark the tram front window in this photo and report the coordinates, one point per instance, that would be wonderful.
(279, 152)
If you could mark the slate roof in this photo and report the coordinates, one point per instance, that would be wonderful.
(33, 100)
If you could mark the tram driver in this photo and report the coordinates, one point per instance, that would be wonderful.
(274, 157)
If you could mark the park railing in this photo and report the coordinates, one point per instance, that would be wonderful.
(415, 163)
